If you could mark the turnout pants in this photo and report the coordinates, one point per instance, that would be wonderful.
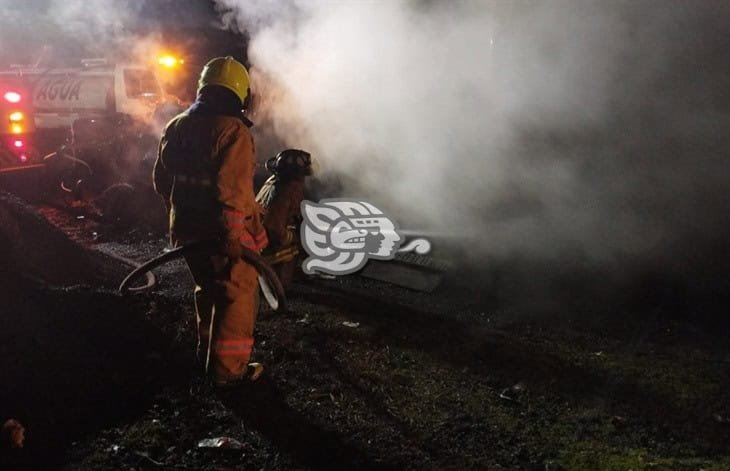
(226, 303)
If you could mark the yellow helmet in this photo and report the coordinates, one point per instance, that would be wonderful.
(226, 72)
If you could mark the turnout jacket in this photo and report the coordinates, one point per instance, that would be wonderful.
(281, 200)
(204, 171)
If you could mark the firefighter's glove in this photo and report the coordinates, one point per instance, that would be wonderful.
(232, 248)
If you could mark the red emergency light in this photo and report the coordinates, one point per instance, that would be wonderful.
(18, 143)
(23, 158)
(12, 97)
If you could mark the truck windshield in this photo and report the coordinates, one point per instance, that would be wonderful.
(140, 83)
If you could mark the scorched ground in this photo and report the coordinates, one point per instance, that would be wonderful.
(479, 374)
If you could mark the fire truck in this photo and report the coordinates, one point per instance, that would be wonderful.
(97, 121)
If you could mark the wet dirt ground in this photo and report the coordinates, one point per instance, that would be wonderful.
(360, 375)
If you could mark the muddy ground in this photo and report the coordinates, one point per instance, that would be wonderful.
(479, 374)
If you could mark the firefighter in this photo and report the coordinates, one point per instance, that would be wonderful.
(280, 198)
(204, 172)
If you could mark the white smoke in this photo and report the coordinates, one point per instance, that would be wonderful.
(96, 20)
(52, 31)
(542, 126)
(587, 126)
(56, 32)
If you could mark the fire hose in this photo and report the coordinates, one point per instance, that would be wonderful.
(271, 287)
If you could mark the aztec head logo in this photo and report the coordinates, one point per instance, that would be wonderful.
(340, 235)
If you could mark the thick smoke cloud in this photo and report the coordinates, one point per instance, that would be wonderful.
(572, 130)
(62, 30)
(56, 32)
(593, 128)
